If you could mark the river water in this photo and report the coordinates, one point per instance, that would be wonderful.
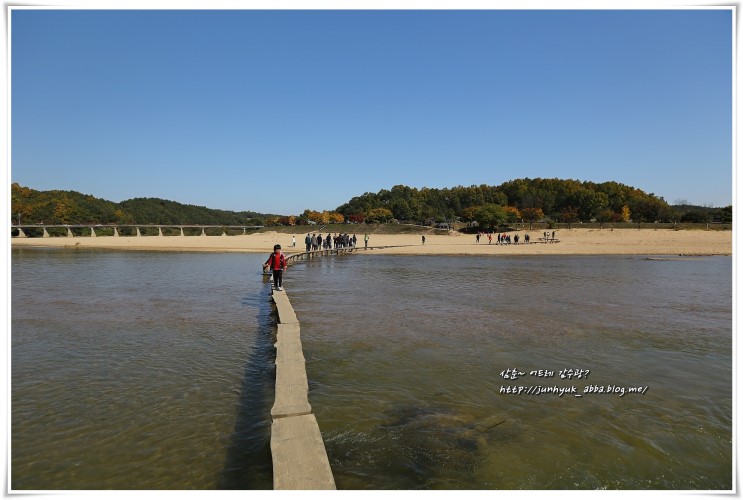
(154, 371)
(139, 371)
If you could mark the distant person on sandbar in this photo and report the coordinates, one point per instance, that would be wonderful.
(423, 239)
(294, 241)
(366, 241)
(277, 263)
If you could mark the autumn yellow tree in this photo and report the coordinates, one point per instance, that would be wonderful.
(312, 215)
(512, 214)
(625, 213)
(379, 215)
(61, 213)
(336, 218)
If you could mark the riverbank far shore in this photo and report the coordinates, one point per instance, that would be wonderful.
(571, 242)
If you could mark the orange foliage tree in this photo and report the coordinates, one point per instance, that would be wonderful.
(512, 214)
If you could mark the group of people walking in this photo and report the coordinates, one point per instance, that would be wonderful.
(506, 239)
(314, 241)
(503, 238)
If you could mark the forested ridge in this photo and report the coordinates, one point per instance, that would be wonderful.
(72, 207)
(526, 200)
(523, 200)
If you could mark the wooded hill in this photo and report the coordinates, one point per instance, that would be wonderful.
(526, 200)
(71, 207)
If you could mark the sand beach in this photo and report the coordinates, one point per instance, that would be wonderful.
(580, 241)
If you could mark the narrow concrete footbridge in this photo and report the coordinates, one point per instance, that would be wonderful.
(300, 461)
(314, 254)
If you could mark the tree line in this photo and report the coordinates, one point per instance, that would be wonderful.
(519, 200)
(524, 200)
(71, 207)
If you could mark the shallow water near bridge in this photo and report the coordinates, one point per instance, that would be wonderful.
(405, 356)
(139, 370)
(135, 370)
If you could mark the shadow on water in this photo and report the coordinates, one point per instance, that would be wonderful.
(248, 464)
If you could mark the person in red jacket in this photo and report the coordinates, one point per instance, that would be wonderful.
(277, 263)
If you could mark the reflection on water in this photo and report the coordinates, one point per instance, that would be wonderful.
(405, 354)
(155, 371)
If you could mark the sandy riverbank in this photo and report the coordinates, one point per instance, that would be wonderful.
(571, 242)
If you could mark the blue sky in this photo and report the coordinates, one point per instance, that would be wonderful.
(280, 111)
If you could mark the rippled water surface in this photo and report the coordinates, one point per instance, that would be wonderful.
(154, 371)
(405, 355)
(139, 370)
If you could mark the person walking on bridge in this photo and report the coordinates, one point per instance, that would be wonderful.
(277, 263)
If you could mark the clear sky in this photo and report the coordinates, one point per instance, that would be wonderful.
(280, 111)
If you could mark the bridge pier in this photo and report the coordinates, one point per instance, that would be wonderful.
(182, 233)
(46, 234)
(69, 233)
(159, 231)
(116, 233)
(203, 232)
(138, 233)
(92, 232)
